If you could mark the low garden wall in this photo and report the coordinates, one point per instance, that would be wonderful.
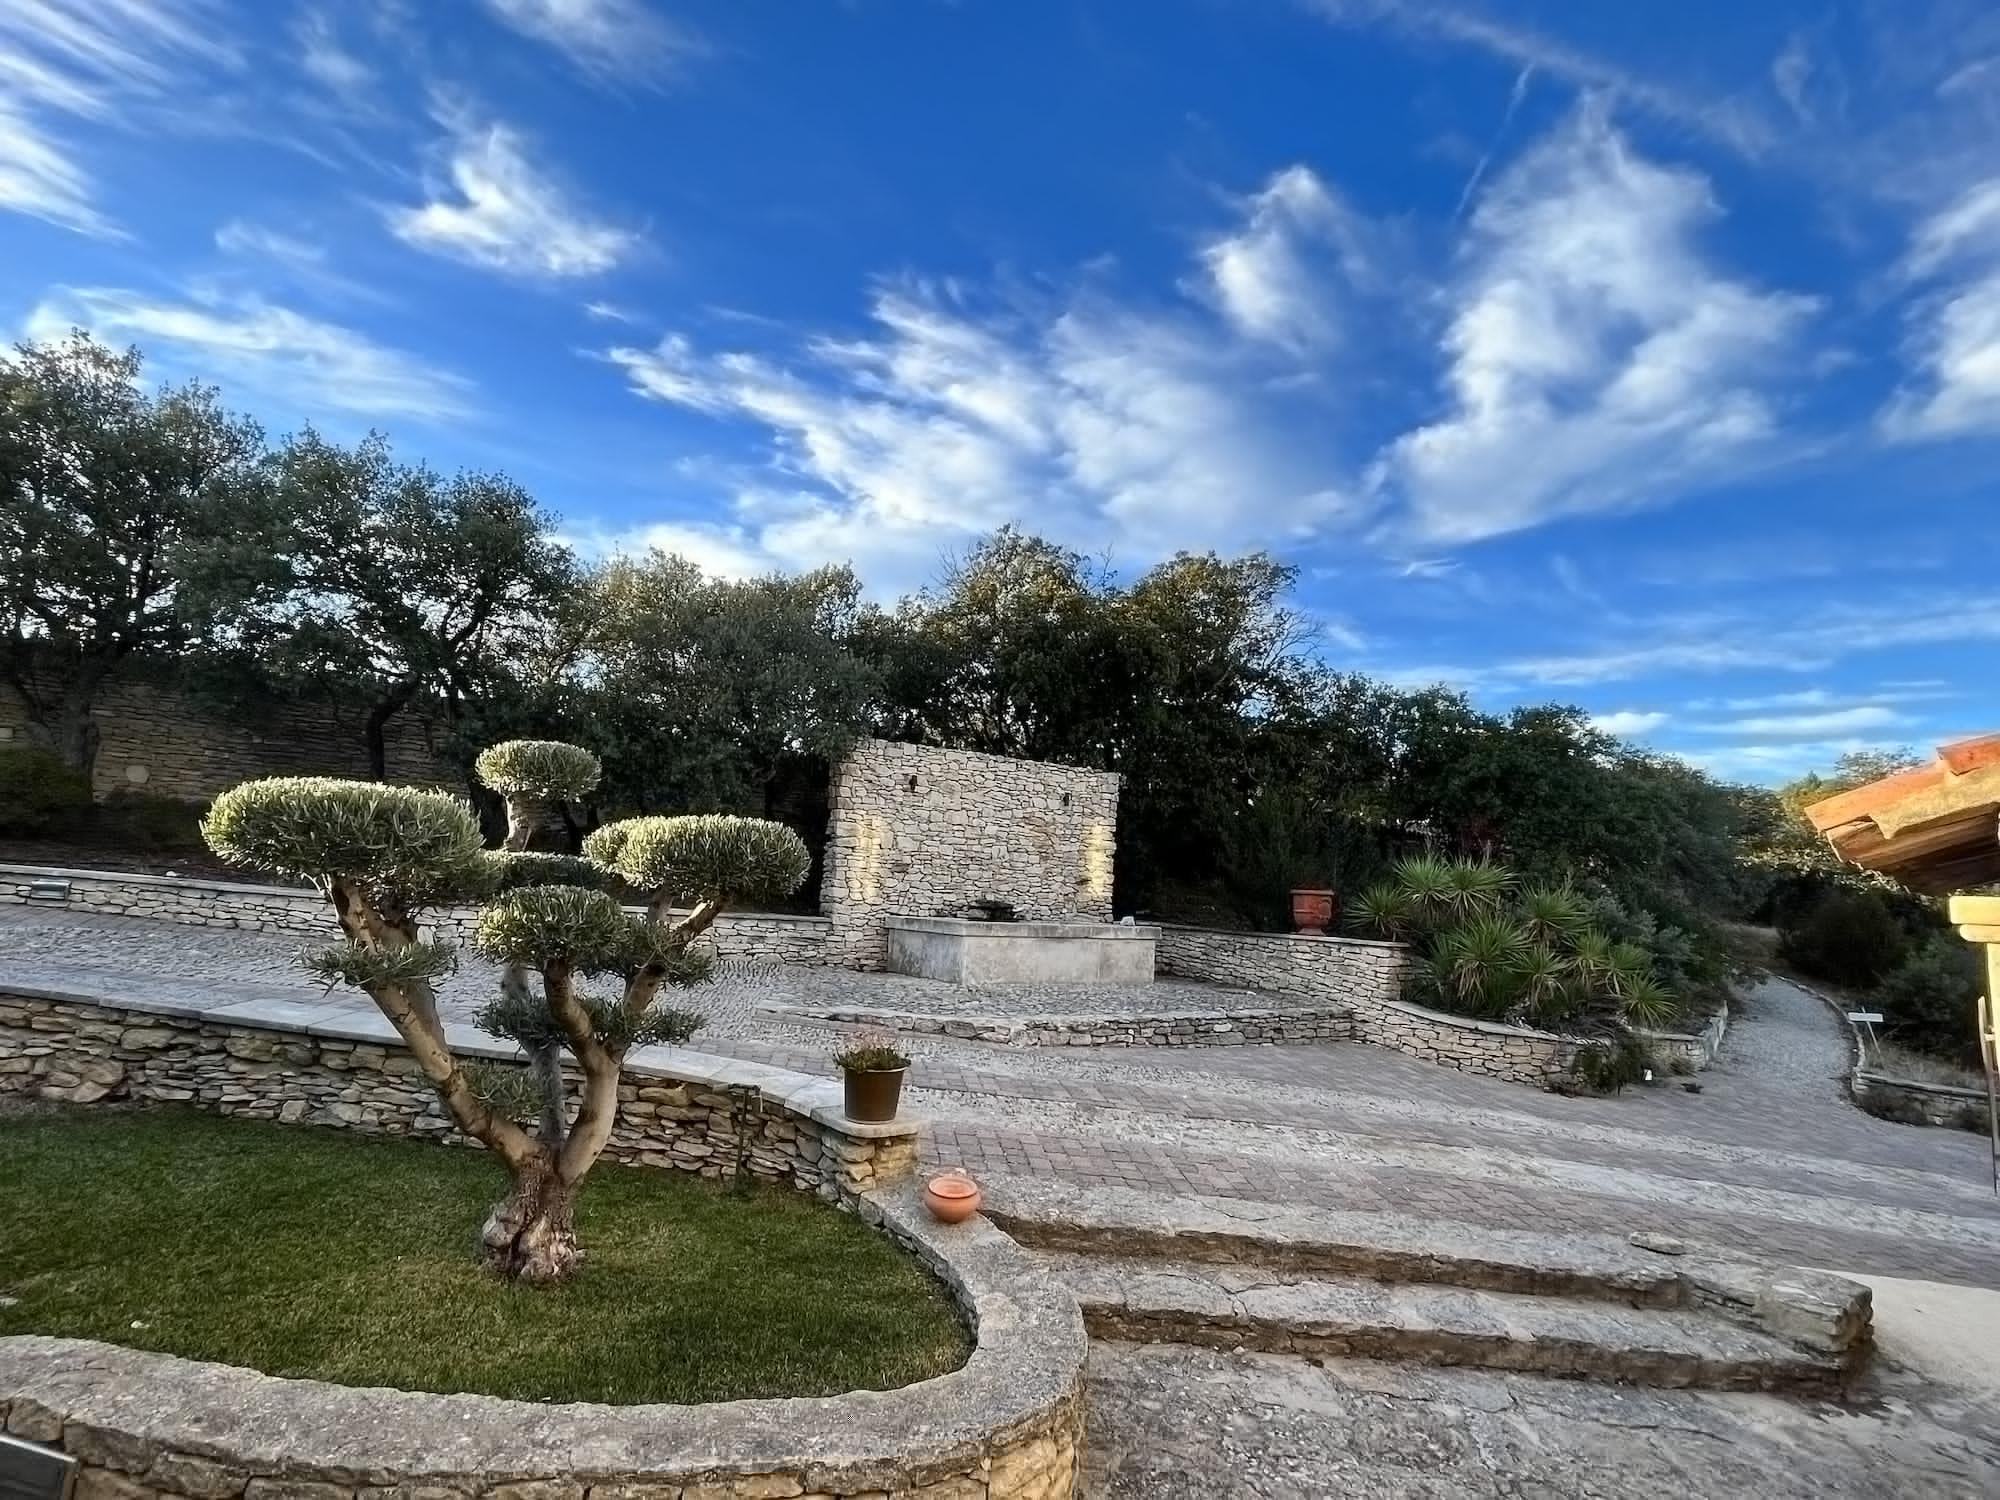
(348, 1069)
(271, 908)
(1689, 1051)
(1914, 1103)
(1005, 1426)
(1364, 978)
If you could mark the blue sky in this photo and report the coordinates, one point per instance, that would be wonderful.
(1642, 356)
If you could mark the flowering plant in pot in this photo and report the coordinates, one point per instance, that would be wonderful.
(872, 1071)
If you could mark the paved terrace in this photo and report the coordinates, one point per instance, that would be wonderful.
(1768, 1158)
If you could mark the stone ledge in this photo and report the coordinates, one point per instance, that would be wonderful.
(1326, 940)
(1130, 932)
(1232, 1028)
(1003, 1427)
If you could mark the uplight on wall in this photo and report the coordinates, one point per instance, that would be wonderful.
(1100, 847)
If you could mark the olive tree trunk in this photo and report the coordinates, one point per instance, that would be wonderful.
(531, 1233)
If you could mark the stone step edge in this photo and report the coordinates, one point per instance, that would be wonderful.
(1533, 1335)
(1816, 1311)
(1159, 1029)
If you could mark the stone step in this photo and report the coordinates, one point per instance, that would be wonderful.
(1191, 1302)
(1825, 1321)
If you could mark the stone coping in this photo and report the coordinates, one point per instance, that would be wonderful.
(1160, 1028)
(1864, 1077)
(1284, 937)
(141, 1413)
(1480, 1027)
(1045, 931)
(818, 1099)
(198, 884)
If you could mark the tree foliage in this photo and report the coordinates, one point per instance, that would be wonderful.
(383, 855)
(131, 523)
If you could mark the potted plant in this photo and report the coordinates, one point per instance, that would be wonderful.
(872, 1071)
(1313, 910)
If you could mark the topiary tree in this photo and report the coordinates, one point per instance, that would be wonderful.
(385, 855)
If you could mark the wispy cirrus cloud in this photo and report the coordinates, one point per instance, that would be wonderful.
(1730, 121)
(93, 61)
(301, 364)
(613, 40)
(1597, 359)
(496, 208)
(1953, 342)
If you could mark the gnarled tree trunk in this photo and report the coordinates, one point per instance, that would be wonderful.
(531, 1233)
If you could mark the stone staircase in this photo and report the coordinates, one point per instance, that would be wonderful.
(1231, 1273)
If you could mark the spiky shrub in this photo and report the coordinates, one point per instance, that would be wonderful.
(1489, 948)
(384, 855)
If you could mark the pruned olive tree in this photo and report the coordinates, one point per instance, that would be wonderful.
(385, 855)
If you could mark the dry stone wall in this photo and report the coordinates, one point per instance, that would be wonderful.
(699, 1115)
(922, 832)
(1365, 978)
(268, 908)
(154, 740)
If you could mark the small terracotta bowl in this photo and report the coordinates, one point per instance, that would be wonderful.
(952, 1197)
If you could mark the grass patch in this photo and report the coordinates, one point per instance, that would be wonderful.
(310, 1253)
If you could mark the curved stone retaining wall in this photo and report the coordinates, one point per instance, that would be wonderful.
(272, 908)
(1004, 1427)
(1365, 978)
(348, 1069)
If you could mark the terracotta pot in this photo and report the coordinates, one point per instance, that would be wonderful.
(952, 1197)
(871, 1098)
(1312, 911)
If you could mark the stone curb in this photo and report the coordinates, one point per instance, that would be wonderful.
(1233, 1028)
(1005, 1426)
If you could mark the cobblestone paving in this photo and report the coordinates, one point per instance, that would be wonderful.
(1769, 1157)
(1174, 1423)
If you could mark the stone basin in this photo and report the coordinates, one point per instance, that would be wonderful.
(959, 950)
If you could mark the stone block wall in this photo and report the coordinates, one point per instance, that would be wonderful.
(787, 1126)
(1366, 978)
(154, 740)
(269, 908)
(921, 832)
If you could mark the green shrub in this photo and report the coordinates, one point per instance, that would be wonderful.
(148, 823)
(1608, 1066)
(1930, 1001)
(709, 854)
(39, 794)
(425, 844)
(1849, 937)
(543, 770)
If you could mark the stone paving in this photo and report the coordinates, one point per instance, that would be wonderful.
(1769, 1157)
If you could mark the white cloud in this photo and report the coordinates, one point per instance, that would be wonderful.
(39, 178)
(721, 551)
(1810, 641)
(1954, 329)
(240, 237)
(1088, 423)
(91, 60)
(254, 346)
(1597, 362)
(1628, 723)
(501, 212)
(1276, 277)
(1731, 122)
(325, 59)
(1842, 721)
(609, 312)
(610, 39)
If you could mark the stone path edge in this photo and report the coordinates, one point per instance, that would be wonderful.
(1005, 1426)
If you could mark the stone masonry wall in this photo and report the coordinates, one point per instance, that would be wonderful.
(267, 908)
(153, 740)
(1365, 977)
(921, 832)
(75, 1051)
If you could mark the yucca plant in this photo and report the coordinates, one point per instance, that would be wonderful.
(1546, 985)
(1476, 961)
(1474, 886)
(1426, 880)
(1554, 914)
(1647, 1002)
(1385, 910)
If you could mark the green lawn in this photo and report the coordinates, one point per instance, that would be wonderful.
(307, 1252)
